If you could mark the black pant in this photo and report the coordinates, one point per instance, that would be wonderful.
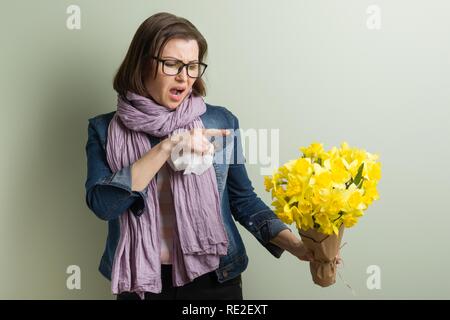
(205, 287)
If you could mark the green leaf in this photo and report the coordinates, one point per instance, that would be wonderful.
(359, 175)
(360, 184)
(348, 183)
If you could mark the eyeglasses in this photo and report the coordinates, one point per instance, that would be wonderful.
(172, 67)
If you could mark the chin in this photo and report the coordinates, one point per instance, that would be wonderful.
(172, 106)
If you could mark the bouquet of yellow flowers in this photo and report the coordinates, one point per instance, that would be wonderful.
(324, 192)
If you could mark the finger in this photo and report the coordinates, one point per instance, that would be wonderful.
(216, 132)
(178, 137)
(306, 258)
(201, 148)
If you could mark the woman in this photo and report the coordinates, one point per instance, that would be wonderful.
(172, 235)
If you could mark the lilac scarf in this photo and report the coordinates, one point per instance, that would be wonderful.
(199, 234)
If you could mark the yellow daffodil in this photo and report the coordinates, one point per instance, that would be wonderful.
(325, 189)
(315, 150)
(373, 171)
(303, 167)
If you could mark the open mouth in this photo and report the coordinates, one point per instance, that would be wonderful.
(177, 90)
(176, 93)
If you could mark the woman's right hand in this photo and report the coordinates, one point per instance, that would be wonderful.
(195, 140)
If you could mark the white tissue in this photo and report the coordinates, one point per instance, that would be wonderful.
(192, 162)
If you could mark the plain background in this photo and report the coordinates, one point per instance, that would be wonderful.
(309, 68)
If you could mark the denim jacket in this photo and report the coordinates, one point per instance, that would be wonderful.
(109, 195)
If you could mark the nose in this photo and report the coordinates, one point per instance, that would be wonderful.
(183, 74)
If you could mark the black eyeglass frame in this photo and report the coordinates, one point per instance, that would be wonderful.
(181, 67)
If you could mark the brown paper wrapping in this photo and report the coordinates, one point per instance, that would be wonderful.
(325, 248)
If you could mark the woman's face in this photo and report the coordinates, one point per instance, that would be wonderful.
(162, 88)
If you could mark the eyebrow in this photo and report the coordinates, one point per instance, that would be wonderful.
(169, 57)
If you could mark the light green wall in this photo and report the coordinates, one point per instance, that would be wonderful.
(310, 68)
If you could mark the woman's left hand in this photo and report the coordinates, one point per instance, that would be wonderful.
(338, 258)
(302, 252)
(288, 241)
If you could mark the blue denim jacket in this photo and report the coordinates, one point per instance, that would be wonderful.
(109, 194)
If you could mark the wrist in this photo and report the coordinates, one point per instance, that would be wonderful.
(287, 241)
(167, 146)
(296, 246)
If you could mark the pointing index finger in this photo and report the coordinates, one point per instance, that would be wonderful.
(216, 132)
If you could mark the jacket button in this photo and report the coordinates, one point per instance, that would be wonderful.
(250, 223)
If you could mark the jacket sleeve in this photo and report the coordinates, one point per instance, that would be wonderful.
(108, 194)
(247, 208)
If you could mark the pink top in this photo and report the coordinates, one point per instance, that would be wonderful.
(167, 214)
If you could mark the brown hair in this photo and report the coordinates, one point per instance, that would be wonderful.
(148, 41)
